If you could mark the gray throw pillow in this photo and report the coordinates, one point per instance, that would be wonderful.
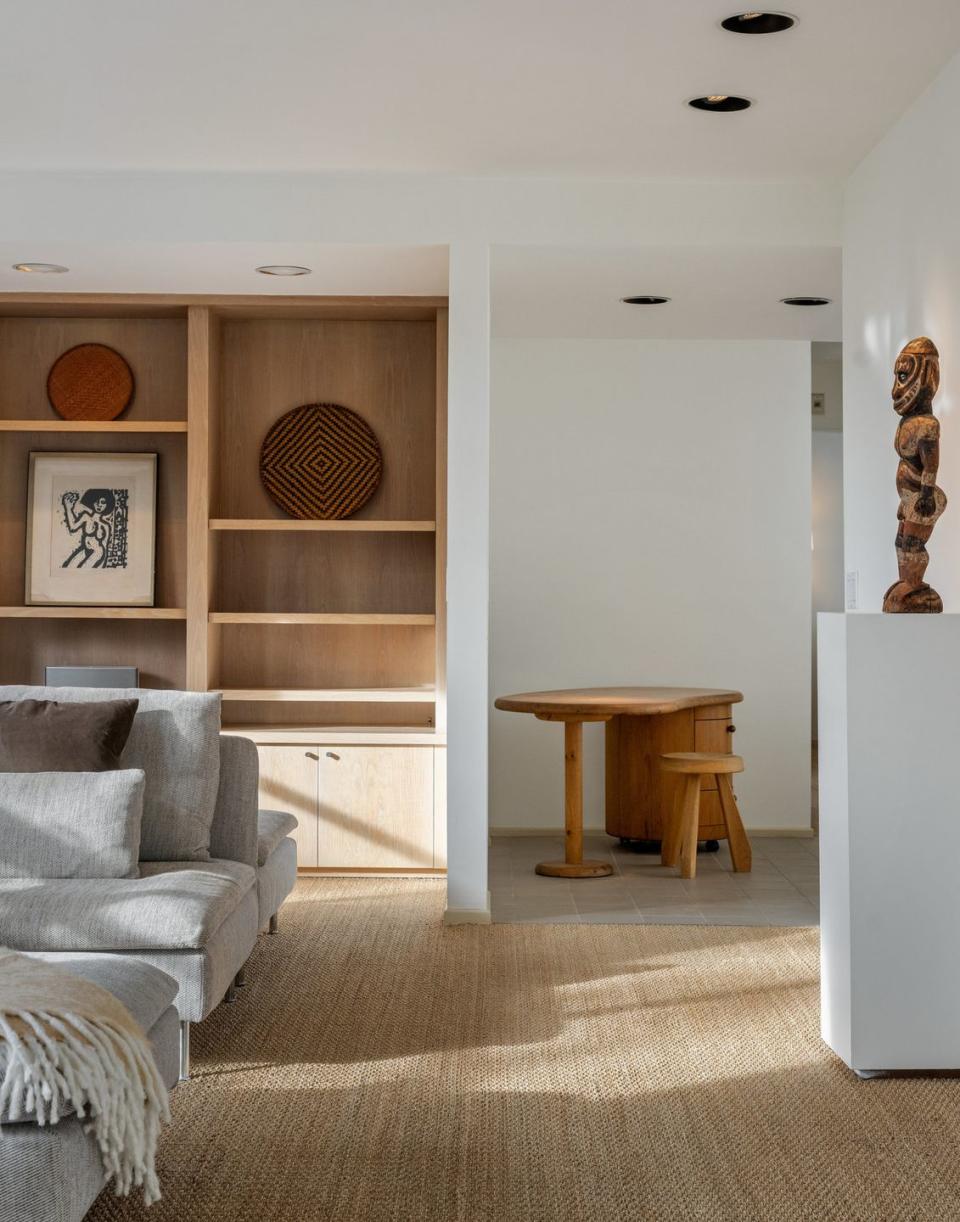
(51, 736)
(70, 824)
(175, 739)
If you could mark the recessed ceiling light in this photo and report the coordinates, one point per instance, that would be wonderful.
(805, 301)
(756, 22)
(46, 268)
(645, 299)
(724, 102)
(283, 269)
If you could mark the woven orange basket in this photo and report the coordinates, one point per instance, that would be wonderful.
(90, 382)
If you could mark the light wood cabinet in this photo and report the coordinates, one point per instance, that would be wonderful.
(360, 806)
(375, 808)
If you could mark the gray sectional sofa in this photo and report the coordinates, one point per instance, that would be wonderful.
(171, 943)
(196, 920)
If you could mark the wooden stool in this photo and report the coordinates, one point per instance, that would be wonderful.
(680, 841)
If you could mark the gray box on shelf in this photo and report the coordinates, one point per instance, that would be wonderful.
(91, 676)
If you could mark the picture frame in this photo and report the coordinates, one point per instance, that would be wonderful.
(91, 530)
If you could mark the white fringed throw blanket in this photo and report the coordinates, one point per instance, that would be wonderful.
(71, 1044)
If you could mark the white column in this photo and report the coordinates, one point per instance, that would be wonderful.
(468, 582)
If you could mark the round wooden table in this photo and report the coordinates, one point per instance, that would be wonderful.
(642, 724)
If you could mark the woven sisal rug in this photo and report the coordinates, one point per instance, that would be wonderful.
(378, 1066)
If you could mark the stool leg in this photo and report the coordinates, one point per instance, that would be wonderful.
(691, 825)
(740, 853)
(670, 844)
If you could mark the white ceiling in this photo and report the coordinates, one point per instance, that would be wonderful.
(492, 87)
(719, 292)
(226, 267)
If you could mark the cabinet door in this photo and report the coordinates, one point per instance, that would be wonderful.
(376, 808)
(288, 781)
(440, 808)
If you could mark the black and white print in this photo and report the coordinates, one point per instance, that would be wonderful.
(96, 522)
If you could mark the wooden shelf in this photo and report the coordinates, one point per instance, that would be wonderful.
(334, 695)
(93, 613)
(348, 524)
(410, 736)
(93, 426)
(315, 617)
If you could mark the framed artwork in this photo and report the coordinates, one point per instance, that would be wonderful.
(91, 530)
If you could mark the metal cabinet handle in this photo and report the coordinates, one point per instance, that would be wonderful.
(731, 729)
(311, 755)
(332, 755)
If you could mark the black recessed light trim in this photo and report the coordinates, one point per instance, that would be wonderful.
(645, 299)
(756, 22)
(805, 301)
(722, 103)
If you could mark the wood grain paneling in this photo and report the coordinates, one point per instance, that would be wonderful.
(319, 572)
(385, 371)
(155, 646)
(325, 656)
(202, 468)
(155, 348)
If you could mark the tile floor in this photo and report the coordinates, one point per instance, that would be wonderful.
(781, 889)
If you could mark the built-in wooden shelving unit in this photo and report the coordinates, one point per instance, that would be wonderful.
(315, 633)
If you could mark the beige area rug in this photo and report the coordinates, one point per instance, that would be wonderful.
(378, 1066)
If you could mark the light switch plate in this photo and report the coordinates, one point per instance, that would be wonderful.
(853, 590)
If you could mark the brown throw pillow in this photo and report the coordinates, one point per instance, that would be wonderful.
(50, 736)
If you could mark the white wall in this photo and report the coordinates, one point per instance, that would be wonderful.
(650, 524)
(826, 532)
(828, 381)
(902, 279)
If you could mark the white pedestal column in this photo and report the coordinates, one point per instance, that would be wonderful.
(889, 696)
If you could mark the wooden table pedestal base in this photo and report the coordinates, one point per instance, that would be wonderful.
(575, 869)
(573, 865)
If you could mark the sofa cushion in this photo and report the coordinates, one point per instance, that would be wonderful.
(63, 736)
(143, 989)
(175, 739)
(272, 827)
(70, 824)
(171, 906)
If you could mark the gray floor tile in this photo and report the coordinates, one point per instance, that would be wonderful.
(782, 889)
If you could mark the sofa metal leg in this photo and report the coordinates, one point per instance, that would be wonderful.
(274, 925)
(184, 1052)
(231, 993)
(241, 978)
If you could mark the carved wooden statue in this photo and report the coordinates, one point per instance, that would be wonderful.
(915, 382)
